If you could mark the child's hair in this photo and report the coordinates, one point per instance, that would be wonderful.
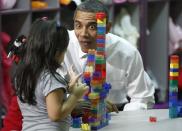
(45, 39)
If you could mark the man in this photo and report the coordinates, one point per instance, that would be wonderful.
(124, 65)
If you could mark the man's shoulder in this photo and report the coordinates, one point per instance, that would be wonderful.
(120, 44)
(71, 33)
(72, 40)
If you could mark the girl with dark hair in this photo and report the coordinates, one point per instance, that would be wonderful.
(41, 90)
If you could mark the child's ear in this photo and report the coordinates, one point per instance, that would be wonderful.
(108, 27)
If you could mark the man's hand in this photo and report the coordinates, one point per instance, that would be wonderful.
(82, 104)
(111, 107)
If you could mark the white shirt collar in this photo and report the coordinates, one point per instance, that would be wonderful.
(82, 54)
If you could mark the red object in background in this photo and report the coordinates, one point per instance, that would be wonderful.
(180, 79)
(6, 87)
(13, 118)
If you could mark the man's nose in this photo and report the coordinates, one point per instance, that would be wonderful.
(84, 32)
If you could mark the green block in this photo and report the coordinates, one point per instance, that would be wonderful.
(173, 82)
(173, 89)
(173, 112)
(99, 61)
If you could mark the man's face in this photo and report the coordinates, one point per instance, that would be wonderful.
(85, 27)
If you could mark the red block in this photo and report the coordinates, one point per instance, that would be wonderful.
(100, 36)
(152, 119)
(100, 15)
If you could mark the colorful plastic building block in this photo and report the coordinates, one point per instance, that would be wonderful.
(76, 122)
(152, 119)
(85, 127)
(95, 77)
(175, 108)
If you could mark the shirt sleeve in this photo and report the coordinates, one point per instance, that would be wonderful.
(139, 89)
(51, 83)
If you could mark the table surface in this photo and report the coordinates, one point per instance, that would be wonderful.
(139, 121)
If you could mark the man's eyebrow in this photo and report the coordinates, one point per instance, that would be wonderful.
(92, 23)
(77, 21)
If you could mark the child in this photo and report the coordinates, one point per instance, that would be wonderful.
(41, 90)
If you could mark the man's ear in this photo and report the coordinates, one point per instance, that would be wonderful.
(108, 27)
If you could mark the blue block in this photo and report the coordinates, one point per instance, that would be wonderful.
(108, 116)
(173, 93)
(173, 98)
(101, 30)
(100, 40)
(103, 95)
(107, 86)
(179, 103)
(174, 70)
(91, 57)
(173, 103)
(76, 122)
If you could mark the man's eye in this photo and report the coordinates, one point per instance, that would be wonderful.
(92, 27)
(77, 26)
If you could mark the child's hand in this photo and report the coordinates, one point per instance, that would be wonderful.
(79, 89)
(73, 78)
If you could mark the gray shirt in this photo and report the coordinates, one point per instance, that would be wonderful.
(35, 118)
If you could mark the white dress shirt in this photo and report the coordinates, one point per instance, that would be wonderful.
(124, 69)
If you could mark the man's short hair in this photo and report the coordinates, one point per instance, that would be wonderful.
(93, 6)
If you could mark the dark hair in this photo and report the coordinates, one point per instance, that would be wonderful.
(45, 39)
(93, 6)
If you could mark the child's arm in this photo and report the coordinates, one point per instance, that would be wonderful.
(57, 108)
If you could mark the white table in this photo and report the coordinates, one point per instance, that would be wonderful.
(139, 121)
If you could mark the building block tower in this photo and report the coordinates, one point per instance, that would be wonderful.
(95, 77)
(175, 107)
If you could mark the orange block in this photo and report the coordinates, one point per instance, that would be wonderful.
(39, 5)
(64, 2)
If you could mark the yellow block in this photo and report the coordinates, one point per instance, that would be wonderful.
(85, 127)
(174, 74)
(174, 65)
(93, 96)
(95, 123)
(101, 21)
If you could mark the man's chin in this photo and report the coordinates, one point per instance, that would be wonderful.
(85, 50)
